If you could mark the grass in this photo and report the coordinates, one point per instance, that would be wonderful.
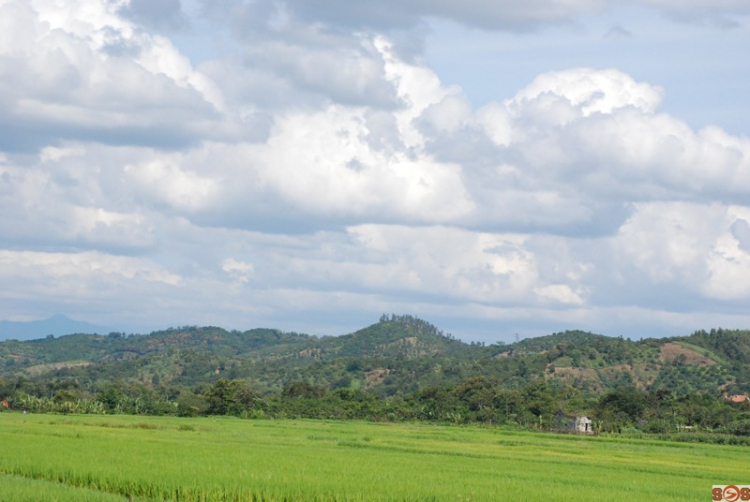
(21, 489)
(705, 352)
(226, 459)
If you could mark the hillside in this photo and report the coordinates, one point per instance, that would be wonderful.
(396, 356)
(398, 369)
(189, 356)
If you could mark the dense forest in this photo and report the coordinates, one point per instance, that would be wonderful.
(401, 368)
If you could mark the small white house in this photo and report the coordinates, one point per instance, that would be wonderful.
(584, 425)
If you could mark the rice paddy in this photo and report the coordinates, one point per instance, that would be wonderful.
(54, 457)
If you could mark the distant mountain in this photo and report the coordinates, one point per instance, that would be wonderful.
(56, 325)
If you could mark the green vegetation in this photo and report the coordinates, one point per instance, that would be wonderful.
(704, 351)
(154, 417)
(401, 369)
(21, 489)
(162, 458)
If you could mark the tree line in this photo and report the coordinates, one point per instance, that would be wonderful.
(541, 404)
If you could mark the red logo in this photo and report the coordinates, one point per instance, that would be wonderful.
(731, 493)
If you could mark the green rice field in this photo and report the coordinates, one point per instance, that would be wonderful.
(107, 458)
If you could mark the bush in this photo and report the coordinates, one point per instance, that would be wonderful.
(658, 426)
(740, 428)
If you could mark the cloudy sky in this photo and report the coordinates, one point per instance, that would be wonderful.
(495, 167)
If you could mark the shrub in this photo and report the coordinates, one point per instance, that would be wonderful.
(740, 428)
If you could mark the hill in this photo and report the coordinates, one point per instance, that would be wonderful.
(400, 368)
(396, 356)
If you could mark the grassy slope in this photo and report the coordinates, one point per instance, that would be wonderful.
(231, 459)
(704, 351)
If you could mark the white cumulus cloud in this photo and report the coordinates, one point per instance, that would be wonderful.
(311, 160)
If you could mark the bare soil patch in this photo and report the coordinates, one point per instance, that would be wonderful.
(375, 377)
(671, 352)
(38, 369)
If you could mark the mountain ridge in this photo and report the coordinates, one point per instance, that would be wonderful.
(56, 325)
(395, 356)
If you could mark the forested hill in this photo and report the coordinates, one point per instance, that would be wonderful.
(396, 356)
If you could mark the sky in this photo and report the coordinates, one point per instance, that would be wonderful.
(498, 168)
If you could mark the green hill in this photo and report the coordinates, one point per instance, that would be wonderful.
(400, 368)
(396, 356)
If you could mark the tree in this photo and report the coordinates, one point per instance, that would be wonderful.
(479, 395)
(229, 397)
(190, 405)
(111, 396)
(303, 390)
(627, 402)
(539, 400)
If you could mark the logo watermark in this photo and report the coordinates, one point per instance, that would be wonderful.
(731, 493)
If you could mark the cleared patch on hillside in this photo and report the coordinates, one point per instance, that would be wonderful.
(376, 377)
(642, 374)
(409, 346)
(572, 376)
(39, 369)
(674, 352)
(311, 353)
